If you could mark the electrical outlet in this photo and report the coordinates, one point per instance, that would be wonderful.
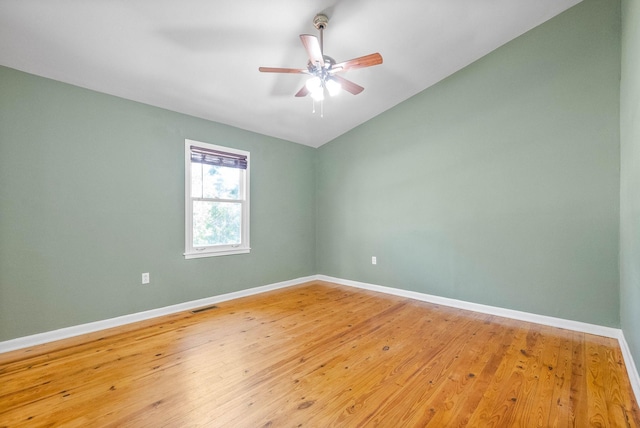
(374, 260)
(145, 278)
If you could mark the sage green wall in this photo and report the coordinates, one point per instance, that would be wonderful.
(499, 185)
(92, 195)
(630, 176)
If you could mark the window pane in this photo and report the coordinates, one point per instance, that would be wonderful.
(216, 223)
(216, 182)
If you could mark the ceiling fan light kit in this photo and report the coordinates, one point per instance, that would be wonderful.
(323, 69)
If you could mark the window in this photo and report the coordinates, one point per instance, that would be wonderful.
(216, 200)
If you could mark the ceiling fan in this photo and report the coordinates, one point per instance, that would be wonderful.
(323, 69)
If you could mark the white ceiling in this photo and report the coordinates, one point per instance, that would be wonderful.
(201, 57)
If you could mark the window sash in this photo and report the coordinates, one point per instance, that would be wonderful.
(201, 247)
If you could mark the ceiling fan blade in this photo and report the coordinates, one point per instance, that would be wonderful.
(312, 46)
(361, 62)
(281, 70)
(303, 92)
(348, 85)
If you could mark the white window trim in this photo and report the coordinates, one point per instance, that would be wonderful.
(220, 250)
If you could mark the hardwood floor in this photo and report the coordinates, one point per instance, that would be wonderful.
(319, 355)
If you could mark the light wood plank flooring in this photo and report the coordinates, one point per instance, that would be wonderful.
(321, 355)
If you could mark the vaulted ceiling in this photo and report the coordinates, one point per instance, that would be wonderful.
(201, 57)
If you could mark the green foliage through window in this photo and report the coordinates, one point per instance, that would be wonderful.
(216, 218)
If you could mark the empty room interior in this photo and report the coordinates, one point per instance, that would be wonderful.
(197, 230)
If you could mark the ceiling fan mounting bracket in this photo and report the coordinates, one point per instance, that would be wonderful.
(321, 21)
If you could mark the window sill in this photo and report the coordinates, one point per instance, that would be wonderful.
(202, 254)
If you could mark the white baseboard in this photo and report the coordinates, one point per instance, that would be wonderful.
(614, 333)
(64, 333)
(485, 309)
(632, 370)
